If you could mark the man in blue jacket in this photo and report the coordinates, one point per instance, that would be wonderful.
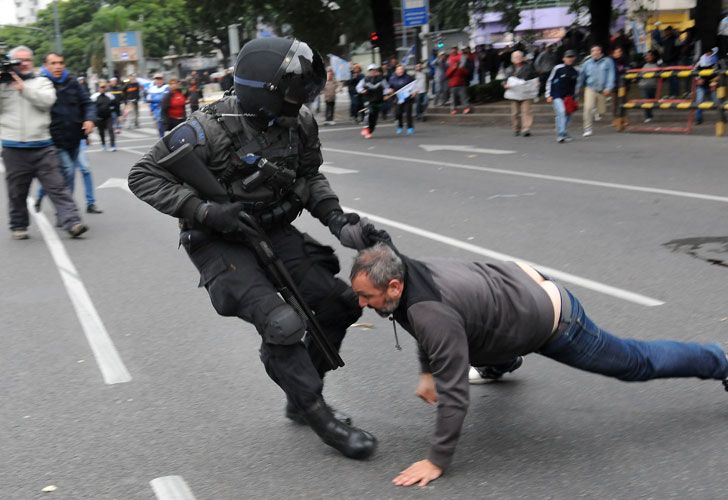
(560, 86)
(597, 78)
(72, 119)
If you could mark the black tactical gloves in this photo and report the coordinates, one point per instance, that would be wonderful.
(337, 220)
(222, 217)
(355, 232)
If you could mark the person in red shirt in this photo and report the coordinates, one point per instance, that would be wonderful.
(457, 80)
(173, 106)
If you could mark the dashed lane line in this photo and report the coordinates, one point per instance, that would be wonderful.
(557, 178)
(596, 286)
(110, 363)
(171, 488)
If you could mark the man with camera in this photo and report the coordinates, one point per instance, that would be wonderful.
(27, 147)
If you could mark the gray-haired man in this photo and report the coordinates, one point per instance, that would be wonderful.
(481, 313)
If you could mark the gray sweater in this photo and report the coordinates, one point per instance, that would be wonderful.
(468, 313)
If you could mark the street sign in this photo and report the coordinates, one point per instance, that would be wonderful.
(415, 13)
(124, 46)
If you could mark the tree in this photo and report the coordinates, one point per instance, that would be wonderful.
(600, 13)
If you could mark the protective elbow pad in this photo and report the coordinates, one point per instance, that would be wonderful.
(284, 326)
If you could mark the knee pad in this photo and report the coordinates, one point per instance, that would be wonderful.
(283, 326)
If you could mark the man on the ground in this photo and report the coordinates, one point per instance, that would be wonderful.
(462, 313)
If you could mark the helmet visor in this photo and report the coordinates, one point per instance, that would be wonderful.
(304, 76)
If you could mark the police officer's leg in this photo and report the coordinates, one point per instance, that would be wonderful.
(313, 267)
(239, 287)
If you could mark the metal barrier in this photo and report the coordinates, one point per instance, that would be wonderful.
(661, 74)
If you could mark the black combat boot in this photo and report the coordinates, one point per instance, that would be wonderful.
(350, 441)
(295, 415)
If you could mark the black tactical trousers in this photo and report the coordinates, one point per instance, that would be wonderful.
(238, 286)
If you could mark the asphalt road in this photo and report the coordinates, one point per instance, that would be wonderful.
(635, 225)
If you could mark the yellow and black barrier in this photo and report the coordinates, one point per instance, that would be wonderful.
(720, 104)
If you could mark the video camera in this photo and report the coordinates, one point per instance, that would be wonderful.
(7, 65)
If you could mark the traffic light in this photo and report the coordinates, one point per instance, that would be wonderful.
(374, 38)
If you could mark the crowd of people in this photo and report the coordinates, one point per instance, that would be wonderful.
(557, 72)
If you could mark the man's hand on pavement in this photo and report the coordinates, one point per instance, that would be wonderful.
(88, 127)
(426, 389)
(420, 473)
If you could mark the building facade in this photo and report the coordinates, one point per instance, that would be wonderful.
(26, 11)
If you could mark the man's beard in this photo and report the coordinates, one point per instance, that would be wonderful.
(390, 305)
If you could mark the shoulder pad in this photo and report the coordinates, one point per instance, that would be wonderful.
(189, 132)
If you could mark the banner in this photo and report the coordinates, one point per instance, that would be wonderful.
(341, 68)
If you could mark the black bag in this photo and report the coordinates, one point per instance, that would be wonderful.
(103, 106)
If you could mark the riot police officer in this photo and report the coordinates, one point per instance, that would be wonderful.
(264, 119)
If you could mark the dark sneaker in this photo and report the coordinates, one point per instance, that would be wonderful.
(526, 133)
(77, 230)
(93, 209)
(20, 234)
(486, 374)
(725, 384)
(295, 415)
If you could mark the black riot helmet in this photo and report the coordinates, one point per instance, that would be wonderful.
(274, 77)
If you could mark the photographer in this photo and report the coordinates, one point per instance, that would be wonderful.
(28, 151)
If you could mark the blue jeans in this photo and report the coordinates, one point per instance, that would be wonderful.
(562, 119)
(701, 95)
(70, 161)
(585, 346)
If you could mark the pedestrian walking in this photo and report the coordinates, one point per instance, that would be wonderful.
(457, 81)
(117, 91)
(372, 89)
(154, 95)
(706, 86)
(268, 122)
(403, 88)
(173, 106)
(421, 92)
(27, 147)
(441, 89)
(648, 86)
(544, 64)
(72, 121)
(597, 79)
(491, 314)
(561, 93)
(194, 94)
(132, 94)
(331, 87)
(520, 96)
(104, 101)
(355, 102)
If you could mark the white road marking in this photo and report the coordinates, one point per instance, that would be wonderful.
(171, 488)
(110, 363)
(554, 273)
(572, 180)
(328, 169)
(116, 182)
(465, 149)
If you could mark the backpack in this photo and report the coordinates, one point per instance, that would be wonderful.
(103, 106)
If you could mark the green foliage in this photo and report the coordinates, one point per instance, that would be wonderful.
(487, 92)
(191, 26)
